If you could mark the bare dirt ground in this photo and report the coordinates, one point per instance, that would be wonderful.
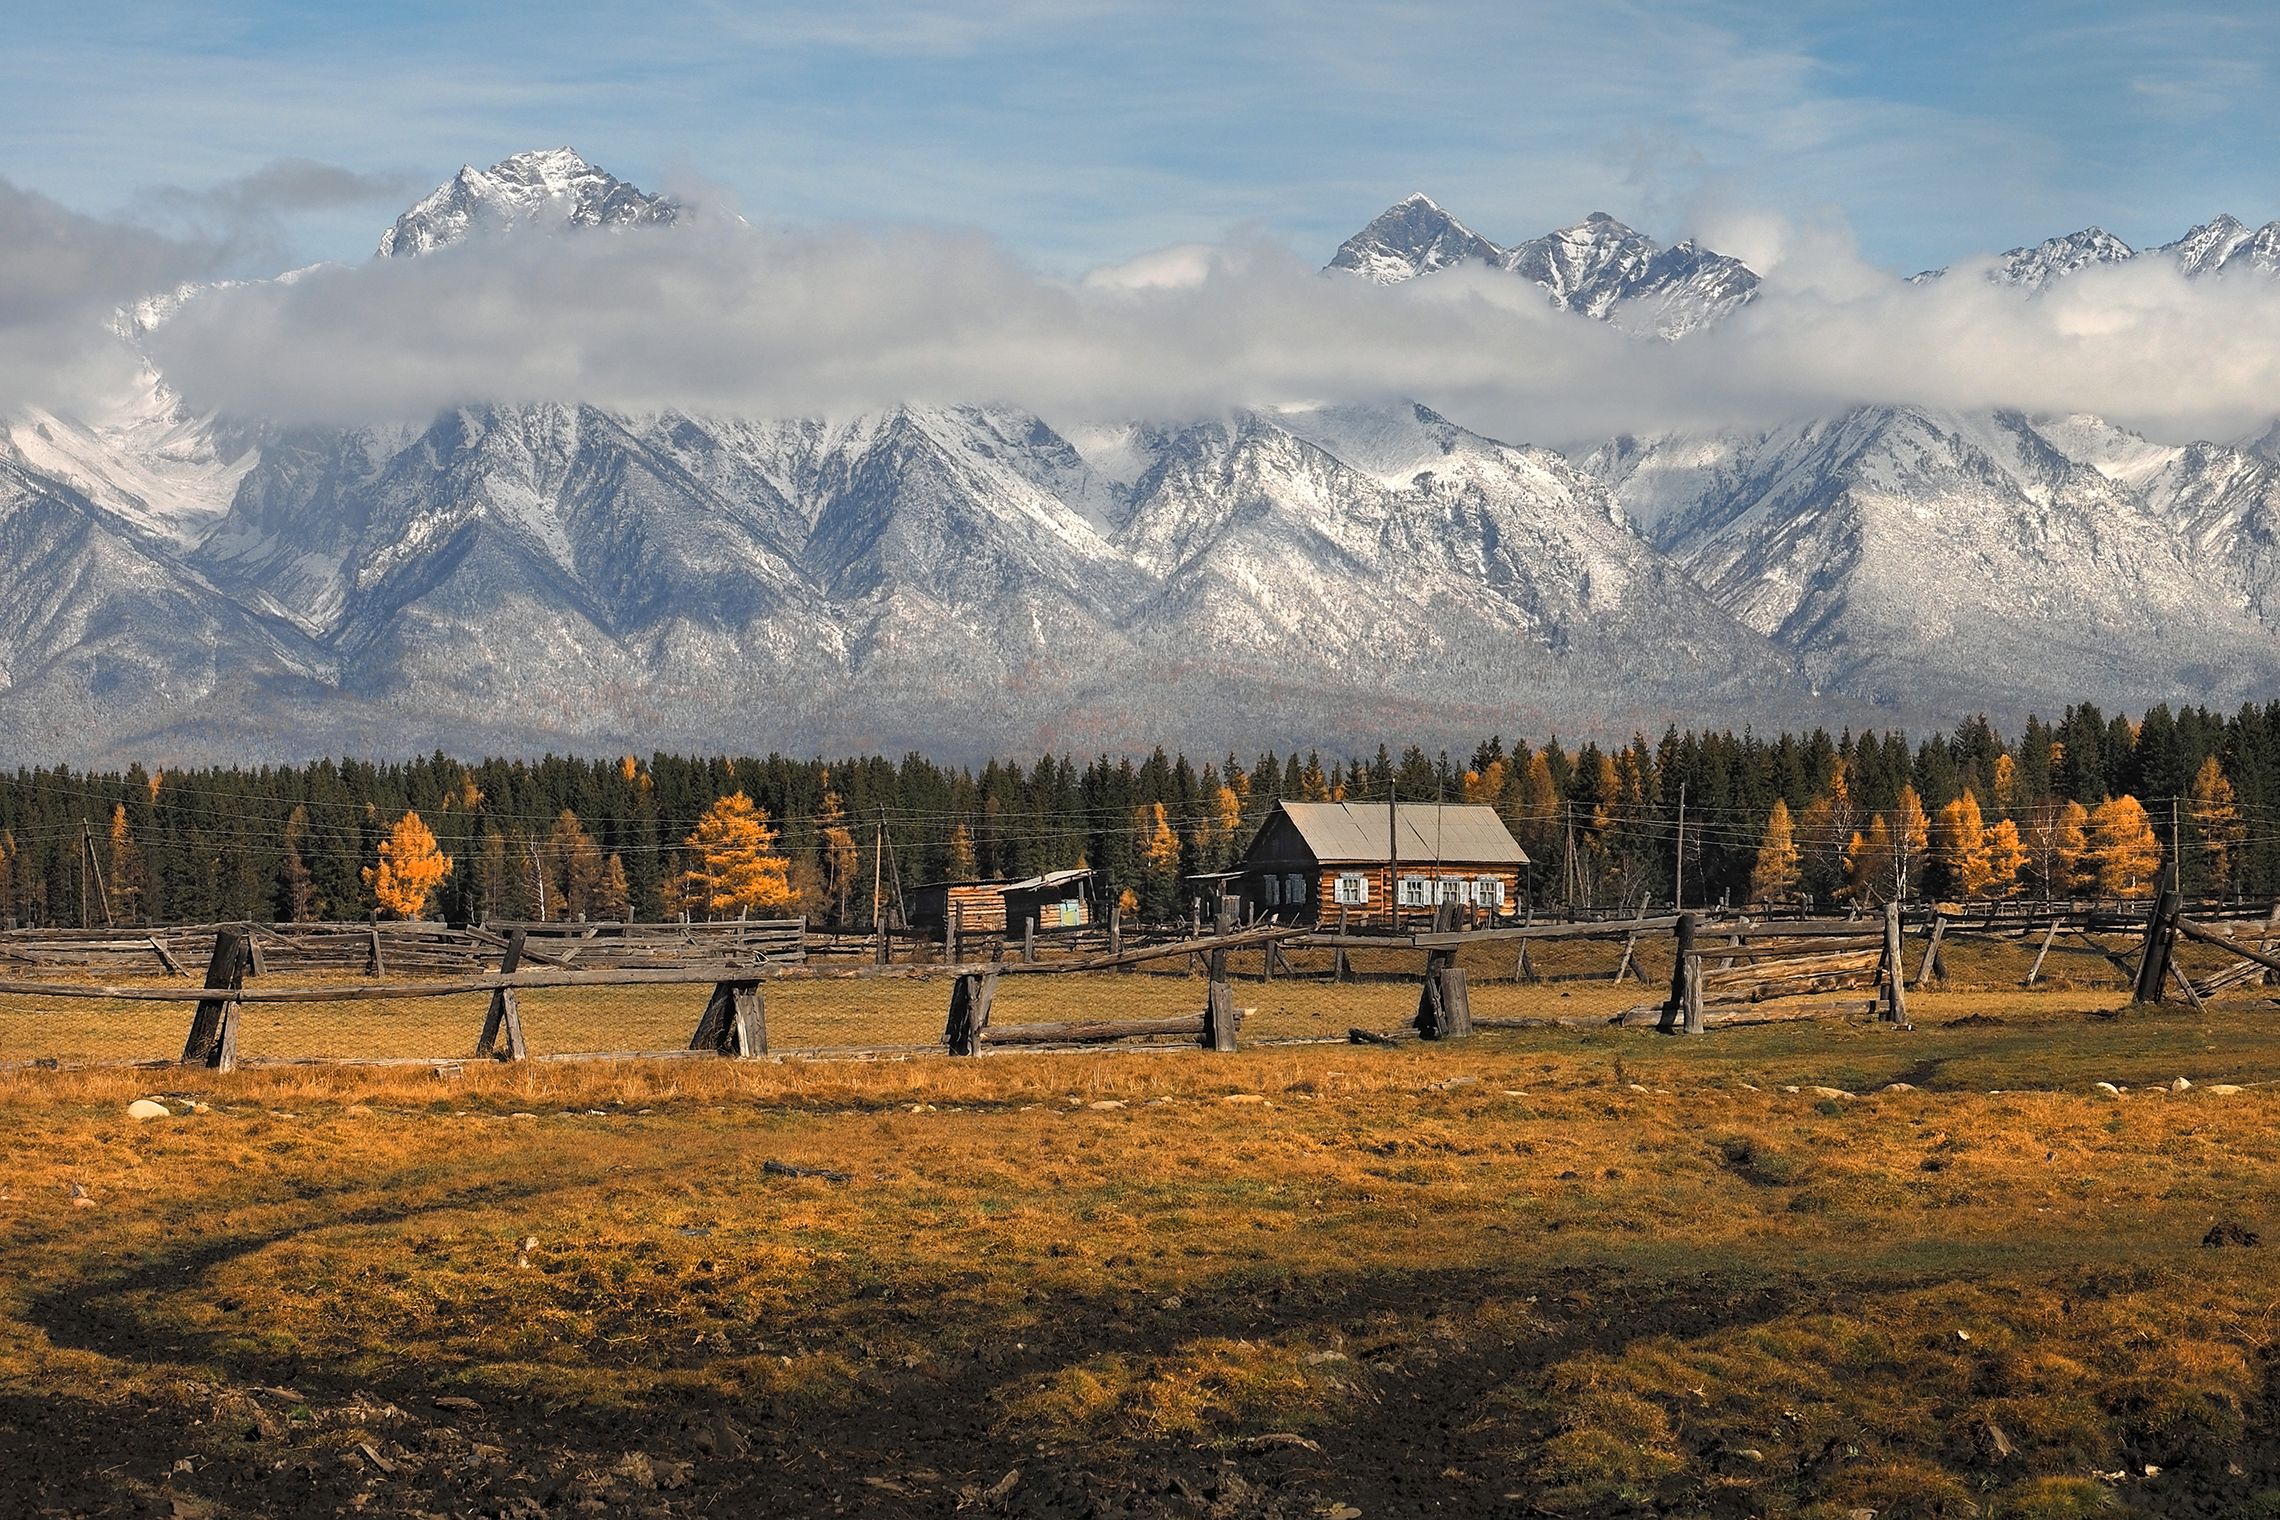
(1553, 1272)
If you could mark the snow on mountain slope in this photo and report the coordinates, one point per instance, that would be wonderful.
(1907, 556)
(1597, 268)
(2034, 267)
(2226, 243)
(1411, 237)
(548, 187)
(1346, 545)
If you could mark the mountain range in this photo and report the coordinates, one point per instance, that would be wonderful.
(971, 580)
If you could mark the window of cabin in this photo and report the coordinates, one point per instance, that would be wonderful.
(1416, 892)
(1488, 891)
(1352, 890)
(1294, 890)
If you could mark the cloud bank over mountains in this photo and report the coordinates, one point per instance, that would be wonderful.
(708, 313)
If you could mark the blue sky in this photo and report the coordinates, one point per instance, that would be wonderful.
(1088, 131)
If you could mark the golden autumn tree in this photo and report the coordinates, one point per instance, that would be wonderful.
(2006, 858)
(124, 874)
(1159, 862)
(1869, 863)
(2123, 849)
(959, 861)
(411, 866)
(1775, 875)
(2006, 782)
(2214, 812)
(735, 866)
(835, 849)
(2062, 848)
(1959, 848)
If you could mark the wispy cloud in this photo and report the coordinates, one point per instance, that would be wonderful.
(722, 318)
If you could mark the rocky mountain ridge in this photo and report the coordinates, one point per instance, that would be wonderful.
(973, 580)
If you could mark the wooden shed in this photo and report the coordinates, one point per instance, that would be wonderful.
(1310, 860)
(1056, 900)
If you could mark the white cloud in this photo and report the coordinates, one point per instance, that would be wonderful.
(718, 317)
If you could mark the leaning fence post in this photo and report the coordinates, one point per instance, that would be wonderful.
(1219, 996)
(2160, 934)
(1892, 970)
(735, 1021)
(970, 998)
(1682, 1011)
(504, 1017)
(213, 1027)
(1932, 958)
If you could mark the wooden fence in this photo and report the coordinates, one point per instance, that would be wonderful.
(1719, 970)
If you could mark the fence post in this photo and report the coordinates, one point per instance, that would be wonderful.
(1341, 968)
(1682, 1010)
(213, 1027)
(1219, 996)
(1933, 962)
(953, 928)
(970, 998)
(1892, 970)
(2034, 972)
(2160, 934)
(735, 1021)
(1116, 933)
(505, 1014)
(374, 964)
(1029, 941)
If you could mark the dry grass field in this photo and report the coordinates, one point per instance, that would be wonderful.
(1574, 1272)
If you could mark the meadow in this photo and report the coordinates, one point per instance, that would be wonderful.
(1812, 1269)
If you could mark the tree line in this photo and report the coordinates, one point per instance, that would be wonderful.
(2090, 804)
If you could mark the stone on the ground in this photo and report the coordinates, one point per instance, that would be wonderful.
(146, 1108)
(2108, 1089)
(2221, 1089)
(2180, 1085)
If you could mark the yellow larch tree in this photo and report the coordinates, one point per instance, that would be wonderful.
(2006, 858)
(1775, 876)
(735, 867)
(1959, 848)
(1868, 863)
(2214, 812)
(411, 866)
(2126, 855)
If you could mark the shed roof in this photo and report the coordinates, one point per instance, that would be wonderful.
(1468, 833)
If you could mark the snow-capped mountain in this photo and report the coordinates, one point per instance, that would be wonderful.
(1411, 237)
(2226, 243)
(2049, 572)
(548, 187)
(1598, 267)
(970, 579)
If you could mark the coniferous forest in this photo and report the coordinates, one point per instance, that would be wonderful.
(2091, 805)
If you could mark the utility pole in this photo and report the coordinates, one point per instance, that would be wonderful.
(1678, 873)
(95, 870)
(538, 875)
(2176, 850)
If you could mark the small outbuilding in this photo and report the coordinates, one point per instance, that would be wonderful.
(1312, 862)
(1055, 900)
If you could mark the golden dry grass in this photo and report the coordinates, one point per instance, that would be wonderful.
(1604, 1271)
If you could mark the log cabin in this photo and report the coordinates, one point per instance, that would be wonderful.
(1311, 860)
(1055, 900)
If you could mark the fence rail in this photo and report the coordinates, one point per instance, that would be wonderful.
(297, 993)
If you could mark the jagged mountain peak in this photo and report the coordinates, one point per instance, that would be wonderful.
(543, 186)
(1598, 267)
(1413, 236)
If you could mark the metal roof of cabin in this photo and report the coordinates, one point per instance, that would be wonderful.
(1467, 833)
